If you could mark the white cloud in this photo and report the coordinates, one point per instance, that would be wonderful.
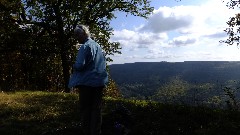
(180, 33)
(132, 57)
(133, 40)
(182, 41)
(189, 19)
(217, 35)
(158, 54)
(123, 35)
(166, 19)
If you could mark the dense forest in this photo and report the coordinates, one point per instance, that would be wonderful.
(194, 82)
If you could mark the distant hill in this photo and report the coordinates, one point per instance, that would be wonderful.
(143, 79)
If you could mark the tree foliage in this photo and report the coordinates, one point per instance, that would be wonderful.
(233, 30)
(173, 91)
(112, 90)
(38, 34)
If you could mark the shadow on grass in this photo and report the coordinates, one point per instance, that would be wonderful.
(42, 113)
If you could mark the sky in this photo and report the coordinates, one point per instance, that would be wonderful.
(189, 30)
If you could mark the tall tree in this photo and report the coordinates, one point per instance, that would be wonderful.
(12, 38)
(51, 24)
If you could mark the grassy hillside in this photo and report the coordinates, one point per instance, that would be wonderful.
(43, 113)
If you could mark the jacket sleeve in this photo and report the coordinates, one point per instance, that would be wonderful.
(82, 58)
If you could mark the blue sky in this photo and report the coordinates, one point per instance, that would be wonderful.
(189, 30)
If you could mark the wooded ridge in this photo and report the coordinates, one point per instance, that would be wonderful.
(190, 80)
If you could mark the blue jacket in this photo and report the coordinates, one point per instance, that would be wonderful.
(90, 66)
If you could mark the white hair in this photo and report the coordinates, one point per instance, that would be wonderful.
(82, 30)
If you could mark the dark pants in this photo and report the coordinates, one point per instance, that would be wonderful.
(90, 99)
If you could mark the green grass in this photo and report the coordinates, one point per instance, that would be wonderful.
(46, 113)
(25, 113)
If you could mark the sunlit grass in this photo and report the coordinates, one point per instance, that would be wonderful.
(38, 110)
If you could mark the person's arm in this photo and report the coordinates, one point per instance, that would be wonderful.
(81, 59)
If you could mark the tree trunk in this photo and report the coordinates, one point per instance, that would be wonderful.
(62, 40)
(65, 68)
